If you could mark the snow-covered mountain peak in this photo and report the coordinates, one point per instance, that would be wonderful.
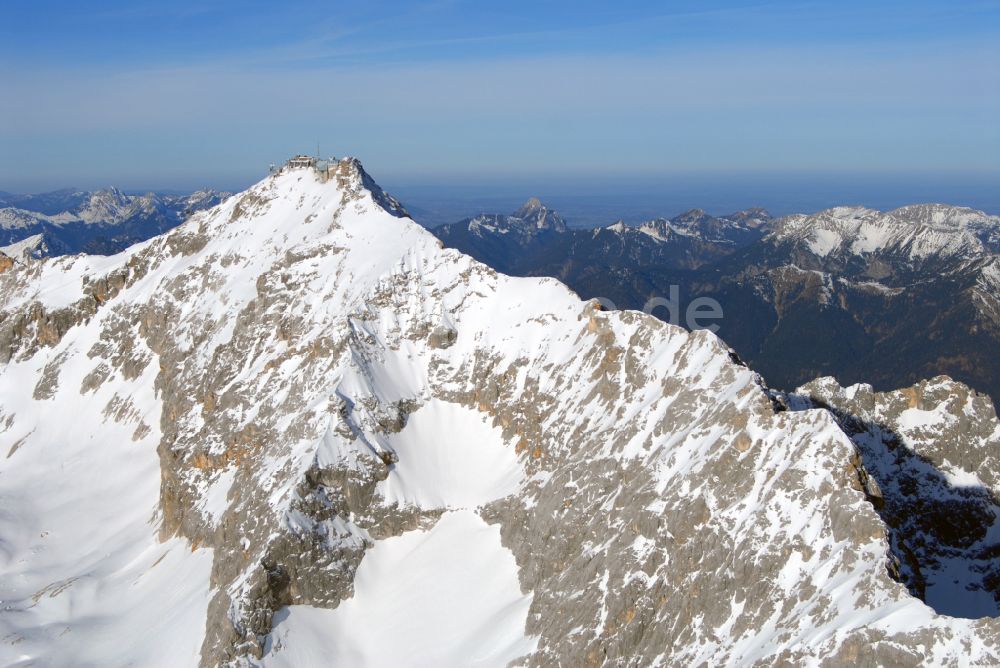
(310, 395)
(540, 216)
(110, 204)
(754, 217)
(691, 215)
(296, 207)
(533, 220)
(662, 229)
(618, 226)
(531, 205)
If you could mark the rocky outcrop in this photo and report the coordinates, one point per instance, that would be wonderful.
(929, 459)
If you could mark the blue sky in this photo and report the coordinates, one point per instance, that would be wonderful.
(172, 95)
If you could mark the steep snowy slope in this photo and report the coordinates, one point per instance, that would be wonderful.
(33, 248)
(296, 416)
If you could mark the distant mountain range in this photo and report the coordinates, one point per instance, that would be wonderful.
(886, 298)
(99, 222)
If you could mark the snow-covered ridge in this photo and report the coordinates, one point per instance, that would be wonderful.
(30, 248)
(914, 232)
(104, 221)
(111, 206)
(738, 227)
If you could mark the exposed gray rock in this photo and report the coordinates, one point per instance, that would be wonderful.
(930, 456)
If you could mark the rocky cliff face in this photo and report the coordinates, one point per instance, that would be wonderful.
(252, 407)
(930, 457)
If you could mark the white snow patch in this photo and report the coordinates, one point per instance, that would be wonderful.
(959, 477)
(914, 418)
(824, 242)
(616, 227)
(216, 497)
(445, 597)
(463, 467)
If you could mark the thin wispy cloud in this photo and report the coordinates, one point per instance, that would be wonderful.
(463, 86)
(313, 48)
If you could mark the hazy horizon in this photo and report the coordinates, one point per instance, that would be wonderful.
(153, 94)
(588, 202)
(586, 199)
